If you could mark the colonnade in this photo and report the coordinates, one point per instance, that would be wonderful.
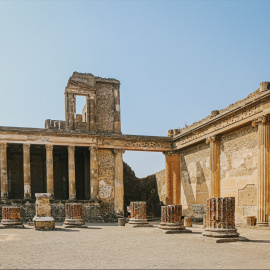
(94, 181)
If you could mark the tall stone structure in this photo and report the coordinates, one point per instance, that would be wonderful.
(78, 160)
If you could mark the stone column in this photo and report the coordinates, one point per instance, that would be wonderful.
(92, 113)
(93, 174)
(117, 121)
(172, 178)
(138, 216)
(49, 166)
(71, 172)
(220, 224)
(171, 219)
(26, 171)
(74, 215)
(214, 191)
(4, 179)
(118, 182)
(263, 170)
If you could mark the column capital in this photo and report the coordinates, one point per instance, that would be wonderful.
(3, 145)
(169, 153)
(213, 138)
(26, 146)
(118, 151)
(49, 147)
(93, 149)
(71, 148)
(263, 120)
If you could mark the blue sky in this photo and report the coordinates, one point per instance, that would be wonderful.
(176, 60)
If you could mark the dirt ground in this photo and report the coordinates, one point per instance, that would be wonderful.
(108, 246)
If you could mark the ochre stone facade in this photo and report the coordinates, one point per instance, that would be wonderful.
(81, 159)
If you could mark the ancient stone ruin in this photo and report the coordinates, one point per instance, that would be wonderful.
(80, 159)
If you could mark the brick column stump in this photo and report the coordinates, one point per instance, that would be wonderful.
(171, 219)
(220, 225)
(11, 217)
(74, 216)
(138, 215)
(43, 219)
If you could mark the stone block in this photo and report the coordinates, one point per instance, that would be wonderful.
(188, 221)
(44, 223)
(74, 215)
(11, 217)
(250, 220)
(121, 221)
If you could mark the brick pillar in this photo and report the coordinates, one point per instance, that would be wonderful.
(171, 219)
(117, 121)
(49, 166)
(11, 217)
(118, 182)
(214, 166)
(92, 113)
(74, 215)
(172, 178)
(138, 214)
(4, 179)
(93, 174)
(263, 170)
(70, 105)
(220, 214)
(71, 172)
(26, 171)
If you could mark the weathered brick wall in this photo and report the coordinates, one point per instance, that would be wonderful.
(104, 107)
(238, 169)
(106, 182)
(195, 179)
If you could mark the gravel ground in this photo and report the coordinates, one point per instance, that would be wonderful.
(107, 246)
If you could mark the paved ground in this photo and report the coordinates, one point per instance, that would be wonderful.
(102, 246)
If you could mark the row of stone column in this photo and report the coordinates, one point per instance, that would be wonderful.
(173, 181)
(94, 183)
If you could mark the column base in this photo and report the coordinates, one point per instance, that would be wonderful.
(262, 224)
(134, 223)
(11, 226)
(170, 228)
(44, 223)
(74, 223)
(138, 225)
(221, 233)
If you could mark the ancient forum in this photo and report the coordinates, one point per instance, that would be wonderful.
(80, 159)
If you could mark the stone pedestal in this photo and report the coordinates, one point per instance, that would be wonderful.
(11, 217)
(204, 221)
(250, 220)
(121, 221)
(138, 215)
(188, 221)
(171, 219)
(74, 215)
(220, 224)
(43, 219)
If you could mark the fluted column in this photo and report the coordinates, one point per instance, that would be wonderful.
(117, 121)
(26, 171)
(263, 170)
(4, 179)
(49, 166)
(172, 178)
(71, 172)
(214, 190)
(93, 174)
(118, 182)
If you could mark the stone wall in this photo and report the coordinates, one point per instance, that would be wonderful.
(104, 108)
(106, 182)
(238, 169)
(195, 179)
